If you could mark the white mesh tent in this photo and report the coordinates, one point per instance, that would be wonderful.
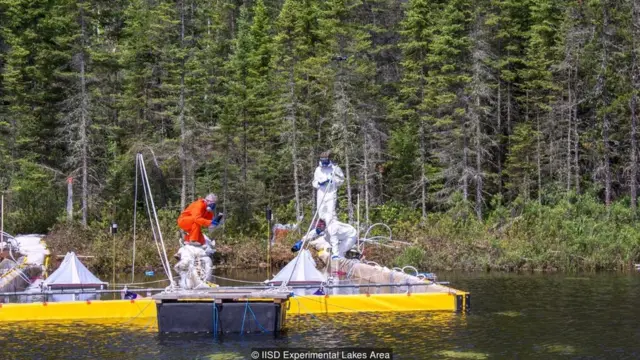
(72, 274)
(300, 270)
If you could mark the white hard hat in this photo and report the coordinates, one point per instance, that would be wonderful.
(211, 198)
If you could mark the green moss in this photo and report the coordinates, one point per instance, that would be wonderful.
(463, 355)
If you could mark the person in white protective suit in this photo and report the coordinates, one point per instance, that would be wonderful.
(336, 238)
(327, 179)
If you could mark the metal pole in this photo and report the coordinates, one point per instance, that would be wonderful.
(2, 221)
(358, 217)
(135, 215)
(163, 255)
(114, 230)
(268, 213)
(113, 276)
(225, 288)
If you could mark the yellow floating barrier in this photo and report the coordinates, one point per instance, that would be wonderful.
(329, 304)
(79, 310)
(145, 308)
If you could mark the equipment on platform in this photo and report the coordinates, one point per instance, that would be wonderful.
(72, 275)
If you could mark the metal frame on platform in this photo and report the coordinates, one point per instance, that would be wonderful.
(148, 291)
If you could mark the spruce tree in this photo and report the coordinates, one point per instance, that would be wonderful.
(414, 108)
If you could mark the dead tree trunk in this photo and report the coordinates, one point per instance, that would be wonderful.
(84, 121)
(602, 90)
(633, 107)
(70, 199)
(347, 176)
(499, 132)
(181, 120)
(291, 114)
(366, 174)
(423, 150)
(539, 156)
(569, 130)
(478, 177)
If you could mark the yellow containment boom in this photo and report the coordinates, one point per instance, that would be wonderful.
(145, 308)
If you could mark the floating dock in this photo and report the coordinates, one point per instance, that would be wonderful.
(152, 309)
(353, 287)
(221, 310)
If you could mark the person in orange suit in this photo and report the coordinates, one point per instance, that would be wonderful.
(198, 214)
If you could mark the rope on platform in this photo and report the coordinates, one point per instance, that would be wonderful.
(215, 320)
(351, 264)
(308, 312)
(338, 306)
(139, 313)
(244, 316)
(240, 281)
(143, 283)
(256, 319)
(176, 277)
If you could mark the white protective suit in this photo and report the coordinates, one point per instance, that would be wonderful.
(327, 194)
(338, 236)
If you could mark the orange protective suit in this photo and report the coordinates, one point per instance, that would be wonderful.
(193, 218)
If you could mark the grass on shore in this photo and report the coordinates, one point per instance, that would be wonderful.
(574, 233)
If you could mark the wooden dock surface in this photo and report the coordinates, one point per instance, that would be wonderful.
(222, 294)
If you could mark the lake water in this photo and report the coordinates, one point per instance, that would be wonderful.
(584, 316)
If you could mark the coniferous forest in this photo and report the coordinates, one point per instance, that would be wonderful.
(494, 133)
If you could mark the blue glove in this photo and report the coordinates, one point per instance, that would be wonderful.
(212, 207)
(324, 182)
(296, 246)
(130, 295)
(216, 221)
(319, 232)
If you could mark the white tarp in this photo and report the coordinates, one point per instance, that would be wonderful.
(72, 274)
(33, 248)
(303, 272)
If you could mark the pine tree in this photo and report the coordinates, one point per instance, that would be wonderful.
(77, 107)
(633, 102)
(510, 21)
(519, 167)
(572, 37)
(449, 72)
(247, 113)
(479, 104)
(236, 122)
(149, 76)
(260, 99)
(414, 108)
(299, 83)
(31, 96)
(349, 43)
(537, 78)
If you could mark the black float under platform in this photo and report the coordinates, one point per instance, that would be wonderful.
(221, 311)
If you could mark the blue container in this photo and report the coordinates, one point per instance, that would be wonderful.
(149, 273)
